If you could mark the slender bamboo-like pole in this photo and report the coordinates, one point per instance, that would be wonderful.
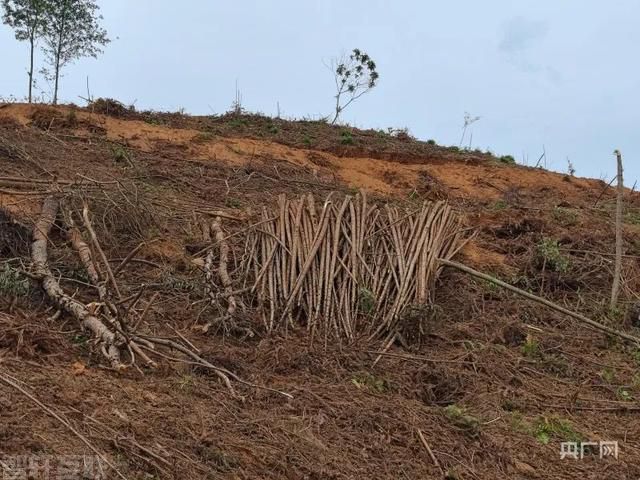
(615, 287)
(543, 301)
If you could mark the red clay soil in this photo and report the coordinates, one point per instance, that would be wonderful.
(494, 385)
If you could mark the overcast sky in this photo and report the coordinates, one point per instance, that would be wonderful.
(563, 74)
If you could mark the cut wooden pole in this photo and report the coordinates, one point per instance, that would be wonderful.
(535, 298)
(615, 287)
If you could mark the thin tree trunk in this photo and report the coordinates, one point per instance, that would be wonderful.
(55, 88)
(615, 288)
(32, 46)
(58, 55)
(335, 118)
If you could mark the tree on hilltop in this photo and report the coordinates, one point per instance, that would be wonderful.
(354, 75)
(73, 31)
(28, 19)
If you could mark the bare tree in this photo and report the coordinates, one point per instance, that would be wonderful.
(354, 75)
(468, 121)
(73, 31)
(615, 288)
(28, 20)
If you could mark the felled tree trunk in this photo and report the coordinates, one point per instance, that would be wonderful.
(107, 339)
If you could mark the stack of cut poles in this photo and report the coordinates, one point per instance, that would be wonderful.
(347, 267)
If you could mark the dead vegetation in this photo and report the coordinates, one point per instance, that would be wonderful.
(489, 388)
(348, 267)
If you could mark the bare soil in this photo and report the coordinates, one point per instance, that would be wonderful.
(495, 385)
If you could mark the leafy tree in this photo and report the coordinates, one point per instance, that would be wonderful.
(354, 75)
(28, 20)
(73, 31)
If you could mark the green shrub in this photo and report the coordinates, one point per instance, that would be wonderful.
(12, 282)
(239, 123)
(531, 348)
(461, 419)
(366, 301)
(507, 159)
(499, 205)
(548, 253)
(346, 138)
(546, 428)
(431, 141)
(370, 382)
(119, 154)
(565, 216)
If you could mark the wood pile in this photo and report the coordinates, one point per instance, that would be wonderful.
(347, 267)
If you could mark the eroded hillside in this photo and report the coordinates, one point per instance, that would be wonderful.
(493, 385)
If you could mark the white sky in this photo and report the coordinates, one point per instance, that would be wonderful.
(563, 74)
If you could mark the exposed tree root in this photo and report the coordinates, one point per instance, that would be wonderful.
(107, 339)
(227, 321)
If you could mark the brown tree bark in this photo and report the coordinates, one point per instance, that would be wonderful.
(107, 339)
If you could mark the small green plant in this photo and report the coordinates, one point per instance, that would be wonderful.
(307, 141)
(119, 154)
(239, 123)
(431, 141)
(636, 356)
(608, 375)
(232, 202)
(346, 138)
(72, 118)
(548, 253)
(616, 314)
(564, 216)
(12, 282)
(460, 418)
(370, 382)
(507, 159)
(491, 287)
(272, 129)
(499, 205)
(632, 217)
(185, 382)
(531, 348)
(544, 429)
(152, 121)
(366, 301)
(624, 395)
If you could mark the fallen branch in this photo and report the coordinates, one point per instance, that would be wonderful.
(128, 258)
(535, 298)
(96, 244)
(223, 273)
(50, 284)
(429, 451)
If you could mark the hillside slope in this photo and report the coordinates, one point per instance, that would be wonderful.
(493, 386)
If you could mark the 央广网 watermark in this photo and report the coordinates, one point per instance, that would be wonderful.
(576, 450)
(53, 467)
